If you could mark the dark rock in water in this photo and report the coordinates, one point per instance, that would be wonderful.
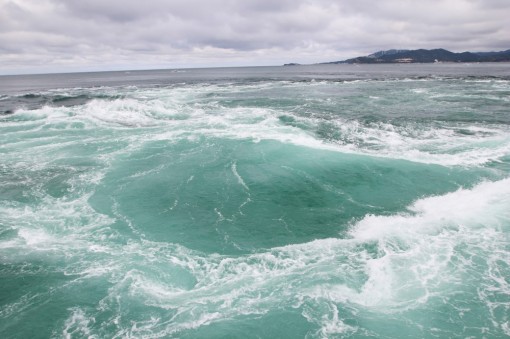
(292, 64)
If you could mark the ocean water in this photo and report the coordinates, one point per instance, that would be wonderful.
(333, 201)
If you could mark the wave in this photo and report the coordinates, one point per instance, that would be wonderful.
(73, 168)
(182, 113)
(10, 104)
(407, 264)
(69, 97)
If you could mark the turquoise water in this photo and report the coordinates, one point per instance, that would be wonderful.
(320, 202)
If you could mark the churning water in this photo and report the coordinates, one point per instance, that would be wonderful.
(286, 202)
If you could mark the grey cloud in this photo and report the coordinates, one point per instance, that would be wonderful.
(228, 32)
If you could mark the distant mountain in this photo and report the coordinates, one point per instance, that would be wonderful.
(385, 53)
(495, 55)
(426, 55)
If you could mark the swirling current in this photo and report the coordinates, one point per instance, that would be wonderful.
(303, 202)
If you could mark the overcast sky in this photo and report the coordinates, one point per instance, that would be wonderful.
(79, 35)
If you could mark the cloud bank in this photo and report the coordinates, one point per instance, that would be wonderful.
(74, 35)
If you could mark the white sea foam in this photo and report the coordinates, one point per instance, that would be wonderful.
(54, 226)
(78, 324)
(329, 321)
(239, 178)
(412, 262)
(124, 112)
(177, 113)
(442, 145)
(389, 264)
(486, 205)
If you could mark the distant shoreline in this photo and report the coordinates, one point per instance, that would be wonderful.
(440, 55)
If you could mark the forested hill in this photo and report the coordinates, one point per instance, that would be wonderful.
(426, 55)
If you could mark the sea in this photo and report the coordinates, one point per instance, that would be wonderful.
(322, 201)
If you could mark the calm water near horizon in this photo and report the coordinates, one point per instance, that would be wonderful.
(324, 201)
